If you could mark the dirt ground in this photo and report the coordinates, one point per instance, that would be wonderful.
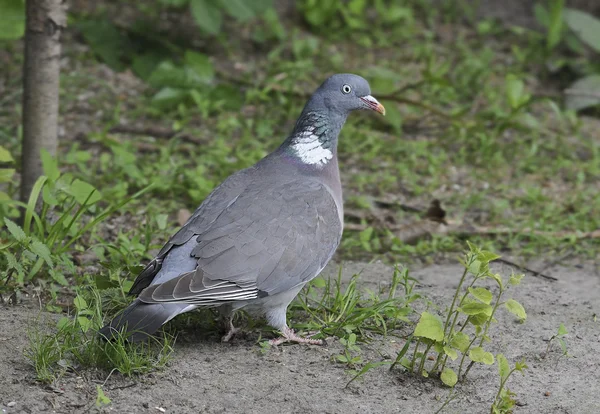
(206, 376)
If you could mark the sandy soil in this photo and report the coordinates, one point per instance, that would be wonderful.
(209, 377)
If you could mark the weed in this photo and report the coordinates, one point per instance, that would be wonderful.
(466, 324)
(559, 337)
(351, 355)
(504, 401)
(76, 344)
(334, 310)
(45, 240)
(101, 398)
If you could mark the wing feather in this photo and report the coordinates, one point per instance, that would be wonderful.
(272, 238)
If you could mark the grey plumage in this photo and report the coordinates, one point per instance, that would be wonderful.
(261, 235)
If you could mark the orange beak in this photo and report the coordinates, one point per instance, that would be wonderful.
(373, 104)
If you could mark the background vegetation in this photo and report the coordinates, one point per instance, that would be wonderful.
(491, 134)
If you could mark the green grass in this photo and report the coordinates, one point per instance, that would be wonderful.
(74, 344)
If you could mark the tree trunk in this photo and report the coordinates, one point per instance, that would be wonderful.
(45, 21)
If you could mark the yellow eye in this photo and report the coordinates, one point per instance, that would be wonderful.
(346, 89)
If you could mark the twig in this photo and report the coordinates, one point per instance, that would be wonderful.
(533, 272)
(154, 132)
(555, 261)
(389, 97)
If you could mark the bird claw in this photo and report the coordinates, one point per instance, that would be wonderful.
(231, 332)
(290, 336)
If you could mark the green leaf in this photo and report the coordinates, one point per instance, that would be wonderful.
(481, 294)
(562, 330)
(80, 303)
(107, 42)
(478, 354)
(63, 323)
(13, 19)
(474, 308)
(49, 165)
(161, 221)
(503, 367)
(6, 174)
(4, 154)
(516, 308)
(451, 353)
(585, 26)
(486, 256)
(200, 64)
(541, 15)
(58, 277)
(585, 92)
(168, 97)
(430, 326)
(84, 323)
(319, 282)
(479, 319)
(449, 377)
(259, 6)
(497, 278)
(474, 267)
(42, 251)
(515, 279)
(555, 23)
(515, 91)
(48, 196)
(80, 190)
(14, 229)
(206, 15)
(460, 341)
(521, 365)
(101, 398)
(239, 9)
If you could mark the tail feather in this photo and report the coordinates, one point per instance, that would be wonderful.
(140, 320)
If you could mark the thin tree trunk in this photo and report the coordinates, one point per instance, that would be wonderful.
(45, 21)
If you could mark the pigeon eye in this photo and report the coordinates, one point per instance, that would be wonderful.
(346, 89)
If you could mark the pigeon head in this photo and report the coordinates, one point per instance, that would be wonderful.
(343, 93)
(314, 139)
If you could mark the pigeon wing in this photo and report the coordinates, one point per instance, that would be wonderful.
(265, 242)
(203, 217)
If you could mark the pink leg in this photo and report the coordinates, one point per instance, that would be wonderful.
(231, 332)
(290, 336)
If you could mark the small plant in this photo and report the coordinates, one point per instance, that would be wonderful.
(76, 344)
(559, 337)
(42, 246)
(101, 398)
(349, 356)
(335, 311)
(504, 401)
(583, 29)
(461, 335)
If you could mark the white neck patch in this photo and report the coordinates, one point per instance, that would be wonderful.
(310, 149)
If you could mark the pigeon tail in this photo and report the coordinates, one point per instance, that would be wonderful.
(140, 320)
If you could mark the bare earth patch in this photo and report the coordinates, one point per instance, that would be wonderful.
(210, 377)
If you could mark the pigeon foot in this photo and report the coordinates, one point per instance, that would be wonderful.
(290, 336)
(232, 331)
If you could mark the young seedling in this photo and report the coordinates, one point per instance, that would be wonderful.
(559, 337)
(349, 356)
(504, 401)
(337, 311)
(462, 333)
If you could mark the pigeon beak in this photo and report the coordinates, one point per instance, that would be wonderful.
(373, 104)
